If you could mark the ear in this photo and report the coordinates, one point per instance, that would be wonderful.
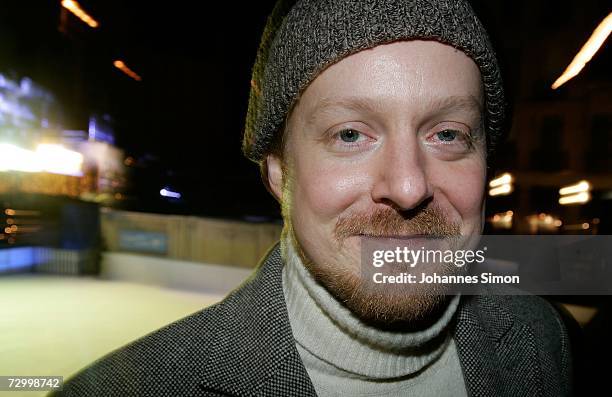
(275, 175)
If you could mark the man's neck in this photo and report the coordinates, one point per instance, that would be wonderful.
(331, 332)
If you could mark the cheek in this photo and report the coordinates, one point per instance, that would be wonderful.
(323, 190)
(462, 185)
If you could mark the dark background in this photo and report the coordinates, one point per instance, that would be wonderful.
(183, 122)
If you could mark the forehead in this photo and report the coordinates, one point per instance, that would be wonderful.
(421, 76)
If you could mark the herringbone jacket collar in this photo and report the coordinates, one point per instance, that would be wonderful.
(498, 357)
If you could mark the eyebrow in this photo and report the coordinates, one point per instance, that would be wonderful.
(328, 105)
(467, 103)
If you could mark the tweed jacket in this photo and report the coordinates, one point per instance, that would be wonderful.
(243, 346)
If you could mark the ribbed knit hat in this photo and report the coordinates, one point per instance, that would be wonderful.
(303, 38)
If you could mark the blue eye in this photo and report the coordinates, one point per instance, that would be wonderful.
(349, 135)
(447, 135)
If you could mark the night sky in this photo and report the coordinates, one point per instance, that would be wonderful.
(183, 123)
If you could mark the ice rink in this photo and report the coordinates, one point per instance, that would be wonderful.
(54, 325)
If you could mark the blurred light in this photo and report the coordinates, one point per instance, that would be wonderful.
(501, 180)
(579, 198)
(582, 186)
(91, 129)
(49, 158)
(169, 193)
(501, 190)
(29, 229)
(599, 36)
(59, 160)
(14, 158)
(76, 9)
(12, 212)
(575, 194)
(502, 220)
(18, 258)
(543, 221)
(577, 226)
(123, 67)
(501, 185)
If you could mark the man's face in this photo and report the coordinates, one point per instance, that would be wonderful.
(388, 142)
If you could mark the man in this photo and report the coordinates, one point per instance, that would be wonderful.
(371, 121)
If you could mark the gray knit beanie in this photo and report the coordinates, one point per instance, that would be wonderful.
(300, 40)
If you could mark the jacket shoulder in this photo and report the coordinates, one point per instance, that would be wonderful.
(544, 329)
(542, 317)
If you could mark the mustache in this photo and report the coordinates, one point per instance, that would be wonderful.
(390, 222)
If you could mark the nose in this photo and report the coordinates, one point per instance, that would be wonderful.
(401, 177)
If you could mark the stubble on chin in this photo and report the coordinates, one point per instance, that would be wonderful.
(386, 306)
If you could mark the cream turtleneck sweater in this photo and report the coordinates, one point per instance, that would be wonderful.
(345, 357)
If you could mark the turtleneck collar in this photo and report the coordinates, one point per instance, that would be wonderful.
(332, 333)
